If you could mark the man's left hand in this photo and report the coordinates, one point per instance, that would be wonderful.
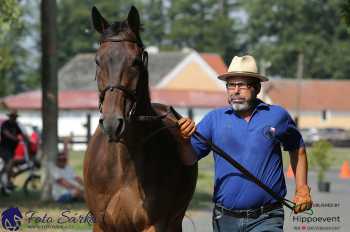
(302, 199)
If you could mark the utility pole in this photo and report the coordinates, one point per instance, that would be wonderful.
(300, 72)
(49, 92)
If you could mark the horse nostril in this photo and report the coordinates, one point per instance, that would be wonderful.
(120, 128)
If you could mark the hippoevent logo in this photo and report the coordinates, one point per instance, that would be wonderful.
(11, 219)
(330, 221)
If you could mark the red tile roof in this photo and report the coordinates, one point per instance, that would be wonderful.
(215, 61)
(88, 100)
(315, 95)
(69, 99)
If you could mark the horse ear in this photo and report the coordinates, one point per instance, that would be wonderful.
(134, 20)
(100, 23)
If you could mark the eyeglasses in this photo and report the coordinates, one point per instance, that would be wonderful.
(240, 85)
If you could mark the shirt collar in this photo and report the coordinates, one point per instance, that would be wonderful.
(260, 106)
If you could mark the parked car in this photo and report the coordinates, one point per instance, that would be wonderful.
(332, 134)
(310, 135)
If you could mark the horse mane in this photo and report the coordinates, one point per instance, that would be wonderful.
(142, 89)
(143, 93)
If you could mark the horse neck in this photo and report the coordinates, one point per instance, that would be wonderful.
(144, 106)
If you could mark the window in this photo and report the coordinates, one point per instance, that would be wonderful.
(325, 115)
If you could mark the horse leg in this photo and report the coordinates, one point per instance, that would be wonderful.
(150, 229)
(175, 227)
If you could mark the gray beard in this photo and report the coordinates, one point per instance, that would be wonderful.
(239, 107)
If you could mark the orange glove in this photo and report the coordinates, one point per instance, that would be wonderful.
(187, 127)
(302, 199)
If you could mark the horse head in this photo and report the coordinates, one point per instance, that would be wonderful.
(121, 72)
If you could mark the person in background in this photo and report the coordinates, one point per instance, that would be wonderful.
(10, 133)
(67, 186)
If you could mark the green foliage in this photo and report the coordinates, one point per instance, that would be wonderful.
(75, 31)
(10, 29)
(154, 21)
(320, 158)
(272, 30)
(204, 25)
(279, 30)
(9, 20)
(346, 11)
(9, 16)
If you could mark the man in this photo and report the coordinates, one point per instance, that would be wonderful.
(252, 132)
(67, 186)
(9, 140)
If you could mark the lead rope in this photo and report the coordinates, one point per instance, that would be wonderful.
(289, 204)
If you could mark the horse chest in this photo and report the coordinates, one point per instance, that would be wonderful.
(126, 209)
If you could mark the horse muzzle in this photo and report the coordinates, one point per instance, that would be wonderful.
(113, 127)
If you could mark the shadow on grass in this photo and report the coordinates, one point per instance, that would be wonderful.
(33, 201)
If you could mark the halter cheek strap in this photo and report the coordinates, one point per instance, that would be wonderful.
(130, 94)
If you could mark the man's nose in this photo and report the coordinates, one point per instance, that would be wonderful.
(236, 90)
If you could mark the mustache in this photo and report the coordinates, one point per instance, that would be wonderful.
(235, 98)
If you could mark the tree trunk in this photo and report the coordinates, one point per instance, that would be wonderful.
(49, 92)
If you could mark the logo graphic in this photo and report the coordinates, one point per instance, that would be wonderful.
(11, 219)
(269, 132)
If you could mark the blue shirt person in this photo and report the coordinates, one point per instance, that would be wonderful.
(252, 132)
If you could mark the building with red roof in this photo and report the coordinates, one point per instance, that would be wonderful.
(188, 81)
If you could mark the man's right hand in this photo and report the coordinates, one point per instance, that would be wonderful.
(187, 127)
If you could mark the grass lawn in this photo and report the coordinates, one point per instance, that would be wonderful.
(201, 200)
(43, 212)
(339, 155)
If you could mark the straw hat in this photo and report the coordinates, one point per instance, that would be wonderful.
(244, 66)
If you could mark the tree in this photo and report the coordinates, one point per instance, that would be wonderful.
(279, 30)
(321, 158)
(75, 32)
(10, 25)
(49, 90)
(9, 16)
(346, 11)
(17, 71)
(155, 22)
(205, 25)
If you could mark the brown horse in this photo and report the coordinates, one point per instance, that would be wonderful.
(133, 174)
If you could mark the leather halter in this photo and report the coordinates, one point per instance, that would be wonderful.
(131, 94)
(128, 93)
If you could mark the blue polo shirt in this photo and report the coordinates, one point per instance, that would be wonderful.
(256, 145)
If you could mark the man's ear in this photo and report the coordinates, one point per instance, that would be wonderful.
(257, 87)
(100, 23)
(134, 20)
